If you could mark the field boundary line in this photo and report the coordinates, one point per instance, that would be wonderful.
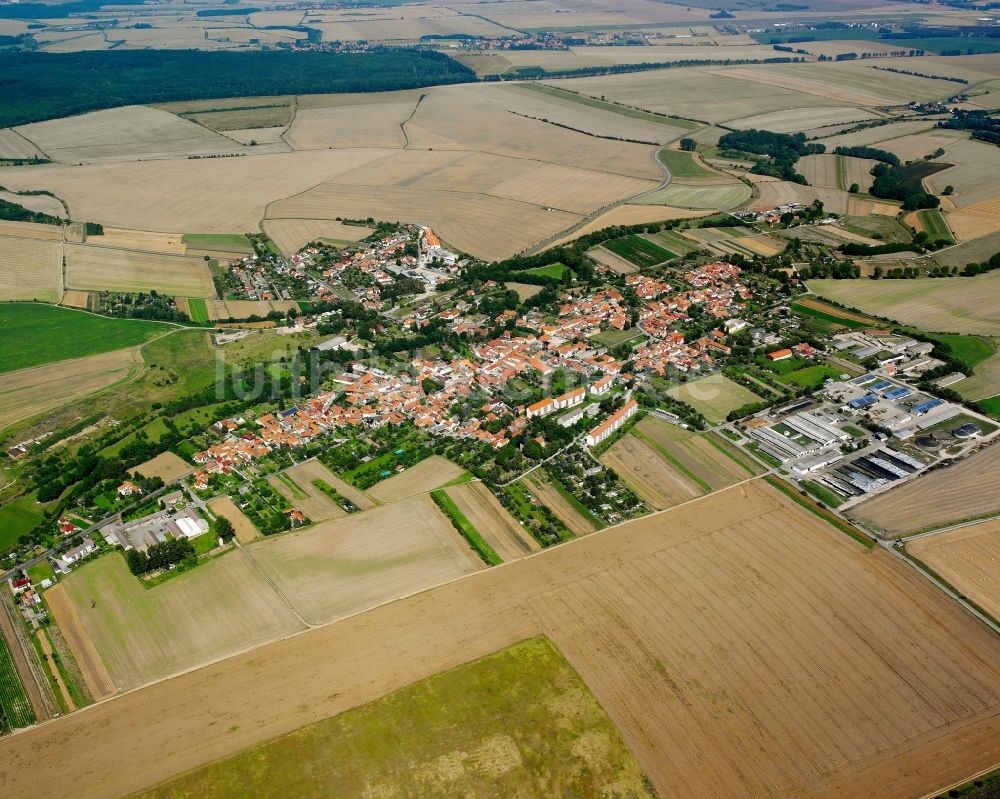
(970, 778)
(274, 586)
(387, 602)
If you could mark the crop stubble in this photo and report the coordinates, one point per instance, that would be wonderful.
(724, 639)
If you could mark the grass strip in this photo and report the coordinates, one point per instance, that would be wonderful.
(823, 494)
(297, 492)
(464, 526)
(724, 448)
(812, 507)
(673, 461)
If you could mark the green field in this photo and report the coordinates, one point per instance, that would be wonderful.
(991, 407)
(639, 251)
(708, 196)
(508, 725)
(681, 164)
(932, 44)
(17, 518)
(970, 350)
(811, 376)
(236, 242)
(199, 311)
(32, 334)
(557, 271)
(674, 242)
(713, 396)
(15, 709)
(612, 338)
(883, 228)
(935, 224)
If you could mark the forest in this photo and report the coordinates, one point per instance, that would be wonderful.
(38, 86)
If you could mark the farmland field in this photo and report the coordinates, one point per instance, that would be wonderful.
(508, 539)
(520, 720)
(243, 309)
(945, 496)
(691, 454)
(952, 304)
(836, 171)
(721, 195)
(347, 565)
(969, 559)
(430, 473)
(541, 487)
(639, 251)
(143, 634)
(713, 396)
(31, 269)
(724, 639)
(682, 164)
(291, 235)
(303, 495)
(166, 465)
(18, 517)
(647, 473)
(15, 709)
(57, 334)
(224, 506)
(106, 269)
(29, 392)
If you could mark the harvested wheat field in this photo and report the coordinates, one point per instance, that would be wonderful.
(345, 489)
(29, 392)
(801, 119)
(224, 506)
(152, 241)
(95, 673)
(647, 473)
(296, 486)
(347, 565)
(39, 203)
(525, 291)
(539, 485)
(30, 269)
(508, 538)
(723, 638)
(291, 235)
(692, 454)
(969, 224)
(30, 230)
(167, 466)
(780, 192)
(219, 608)
(836, 171)
(106, 269)
(124, 133)
(973, 176)
(211, 195)
(430, 473)
(372, 125)
(951, 304)
(969, 559)
(14, 146)
(78, 299)
(244, 309)
(963, 491)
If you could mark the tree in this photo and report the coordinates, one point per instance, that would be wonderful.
(688, 145)
(948, 190)
(854, 189)
(137, 562)
(224, 528)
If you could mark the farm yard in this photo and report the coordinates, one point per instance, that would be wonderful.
(347, 565)
(952, 304)
(428, 474)
(513, 720)
(959, 493)
(106, 269)
(969, 559)
(890, 693)
(713, 396)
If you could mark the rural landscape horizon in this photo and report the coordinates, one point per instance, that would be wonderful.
(500, 398)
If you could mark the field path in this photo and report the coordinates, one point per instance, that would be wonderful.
(46, 645)
(273, 585)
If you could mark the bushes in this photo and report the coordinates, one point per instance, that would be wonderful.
(159, 556)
